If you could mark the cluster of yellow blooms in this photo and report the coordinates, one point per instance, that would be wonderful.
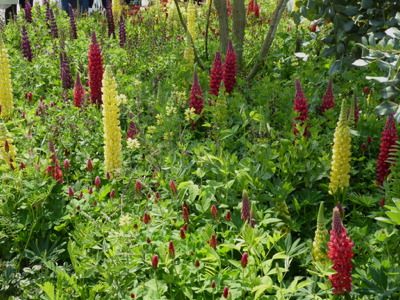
(121, 99)
(160, 120)
(168, 136)
(341, 154)
(133, 144)
(112, 131)
(169, 110)
(124, 220)
(6, 136)
(116, 10)
(172, 13)
(319, 255)
(189, 53)
(151, 129)
(6, 92)
(181, 99)
(190, 114)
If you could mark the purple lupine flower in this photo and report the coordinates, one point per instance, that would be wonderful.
(122, 33)
(110, 19)
(26, 45)
(48, 13)
(66, 77)
(73, 23)
(28, 12)
(54, 29)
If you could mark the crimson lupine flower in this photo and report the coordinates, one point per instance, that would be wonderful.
(71, 192)
(389, 138)
(79, 92)
(154, 262)
(12, 166)
(228, 217)
(229, 74)
(341, 254)
(54, 168)
(26, 45)
(245, 206)
(216, 75)
(245, 260)
(89, 165)
(54, 29)
(110, 19)
(97, 182)
(213, 242)
(172, 186)
(90, 190)
(182, 234)
(147, 218)
(300, 105)
(185, 215)
(122, 32)
(196, 97)
(185, 204)
(6, 146)
(363, 147)
(225, 294)
(73, 23)
(328, 101)
(138, 188)
(148, 240)
(253, 7)
(28, 12)
(214, 212)
(95, 71)
(171, 249)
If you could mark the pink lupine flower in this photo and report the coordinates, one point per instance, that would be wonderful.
(300, 105)
(389, 138)
(229, 74)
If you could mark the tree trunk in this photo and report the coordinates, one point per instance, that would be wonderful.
(222, 10)
(238, 27)
(280, 7)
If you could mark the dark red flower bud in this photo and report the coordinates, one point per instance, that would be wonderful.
(148, 240)
(226, 292)
(245, 260)
(228, 217)
(182, 234)
(363, 147)
(171, 249)
(213, 242)
(71, 192)
(112, 193)
(214, 212)
(369, 140)
(213, 284)
(90, 190)
(22, 166)
(97, 182)
(197, 263)
(185, 215)
(154, 262)
(89, 165)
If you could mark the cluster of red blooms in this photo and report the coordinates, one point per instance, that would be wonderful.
(54, 168)
(328, 101)
(132, 131)
(389, 138)
(79, 92)
(95, 71)
(196, 97)
(301, 106)
(341, 254)
(229, 75)
(216, 75)
(254, 8)
(228, 5)
(146, 219)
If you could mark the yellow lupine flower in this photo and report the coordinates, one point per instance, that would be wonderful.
(116, 10)
(189, 53)
(319, 255)
(6, 136)
(191, 20)
(283, 212)
(112, 131)
(6, 92)
(341, 154)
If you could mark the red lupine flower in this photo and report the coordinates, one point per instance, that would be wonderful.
(229, 74)
(172, 186)
(197, 263)
(171, 249)
(184, 227)
(146, 218)
(369, 140)
(138, 188)
(71, 192)
(182, 234)
(97, 182)
(90, 190)
(313, 28)
(185, 204)
(108, 176)
(389, 138)
(80, 195)
(226, 292)
(366, 90)
(213, 242)
(216, 75)
(89, 165)
(228, 217)
(341, 254)
(154, 262)
(245, 260)
(245, 206)
(339, 207)
(383, 201)
(214, 212)
(185, 215)
(54, 168)
(132, 295)
(196, 97)
(300, 105)
(6, 146)
(157, 196)
(328, 99)
(95, 71)
(112, 193)
(12, 166)
(78, 91)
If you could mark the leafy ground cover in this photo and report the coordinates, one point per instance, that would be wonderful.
(119, 180)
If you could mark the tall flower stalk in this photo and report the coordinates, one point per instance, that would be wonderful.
(216, 75)
(6, 91)
(110, 19)
(95, 71)
(122, 32)
(53, 25)
(73, 23)
(54, 168)
(196, 97)
(328, 101)
(116, 10)
(26, 45)
(79, 92)
(389, 138)
(341, 155)
(112, 131)
(301, 106)
(28, 12)
(229, 74)
(321, 234)
(66, 76)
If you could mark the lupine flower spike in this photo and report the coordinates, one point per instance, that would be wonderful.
(245, 206)
(6, 91)
(116, 10)
(340, 177)
(28, 12)
(95, 71)
(213, 242)
(73, 23)
(321, 235)
(216, 75)
(53, 26)
(301, 106)
(78, 92)
(341, 254)
(66, 76)
(389, 138)
(328, 101)
(110, 19)
(122, 31)
(229, 74)
(196, 97)
(112, 131)
(26, 45)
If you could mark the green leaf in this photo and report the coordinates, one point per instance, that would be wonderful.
(386, 108)
(336, 67)
(393, 32)
(328, 51)
(390, 92)
(260, 289)
(367, 4)
(361, 63)
(48, 288)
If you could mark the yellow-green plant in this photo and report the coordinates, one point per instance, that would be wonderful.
(112, 131)
(116, 9)
(6, 92)
(283, 212)
(7, 150)
(319, 254)
(340, 177)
